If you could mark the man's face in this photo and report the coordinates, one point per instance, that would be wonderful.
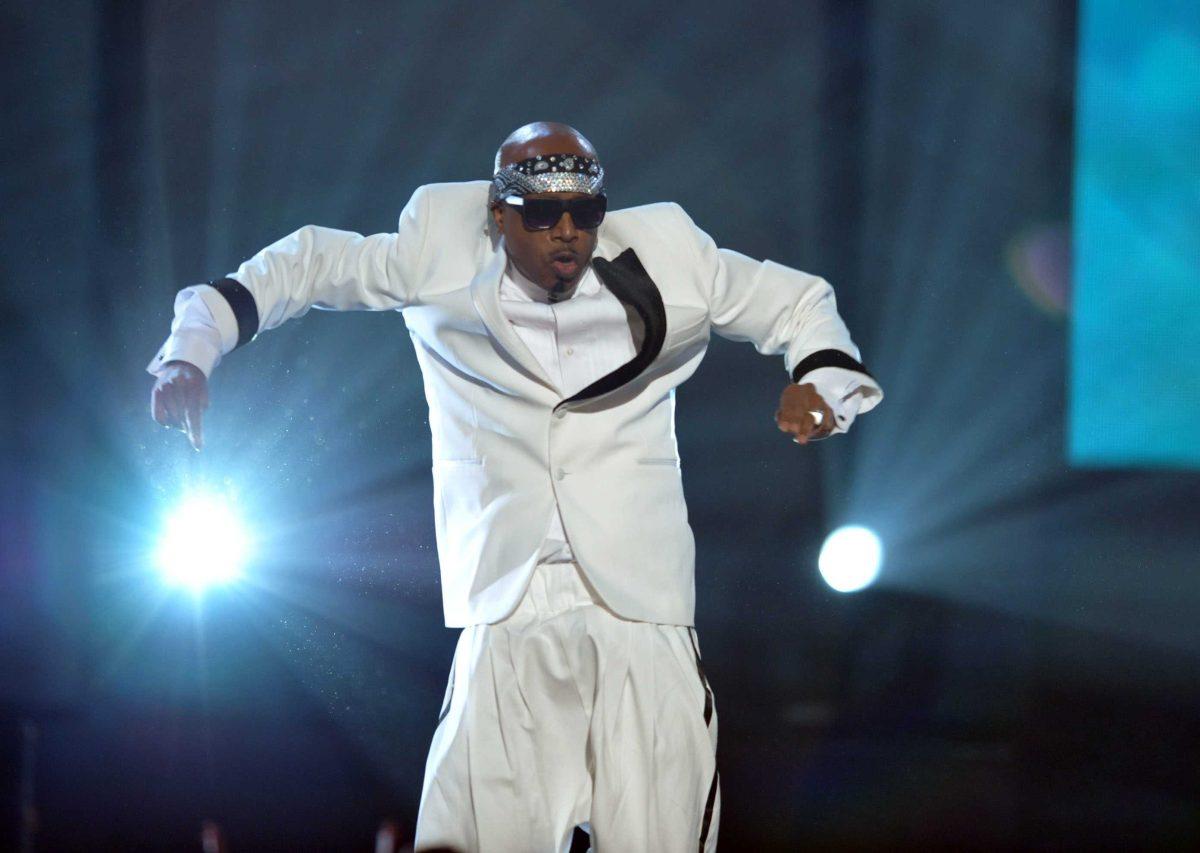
(559, 253)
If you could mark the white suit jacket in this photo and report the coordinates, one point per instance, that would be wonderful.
(506, 445)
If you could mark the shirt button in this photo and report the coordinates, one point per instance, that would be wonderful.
(570, 351)
(559, 474)
(560, 414)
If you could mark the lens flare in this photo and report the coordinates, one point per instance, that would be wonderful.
(850, 558)
(203, 544)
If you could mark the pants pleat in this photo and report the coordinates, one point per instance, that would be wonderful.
(565, 714)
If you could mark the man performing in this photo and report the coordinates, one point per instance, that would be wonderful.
(551, 336)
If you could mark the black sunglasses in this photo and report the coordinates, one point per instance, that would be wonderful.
(538, 214)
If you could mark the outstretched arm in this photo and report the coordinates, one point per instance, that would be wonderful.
(312, 268)
(783, 311)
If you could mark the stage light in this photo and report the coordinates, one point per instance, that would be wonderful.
(850, 558)
(203, 544)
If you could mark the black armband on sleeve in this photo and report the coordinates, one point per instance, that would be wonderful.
(827, 358)
(245, 309)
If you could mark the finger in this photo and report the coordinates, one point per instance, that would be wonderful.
(170, 397)
(188, 430)
(808, 424)
(786, 422)
(796, 430)
(830, 423)
(822, 429)
(196, 389)
(194, 426)
(818, 419)
(157, 409)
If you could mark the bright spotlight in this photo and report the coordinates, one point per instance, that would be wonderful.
(203, 544)
(850, 558)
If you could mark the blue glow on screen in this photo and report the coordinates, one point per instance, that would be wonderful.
(1135, 348)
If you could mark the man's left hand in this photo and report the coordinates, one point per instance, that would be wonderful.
(795, 415)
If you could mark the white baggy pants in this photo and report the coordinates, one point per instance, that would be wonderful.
(564, 714)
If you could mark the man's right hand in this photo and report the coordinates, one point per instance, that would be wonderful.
(179, 398)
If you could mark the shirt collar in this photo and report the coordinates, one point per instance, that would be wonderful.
(514, 286)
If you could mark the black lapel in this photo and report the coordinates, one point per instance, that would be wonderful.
(625, 276)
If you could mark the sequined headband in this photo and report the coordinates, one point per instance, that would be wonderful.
(548, 173)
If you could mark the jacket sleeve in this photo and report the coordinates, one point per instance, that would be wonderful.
(314, 267)
(783, 311)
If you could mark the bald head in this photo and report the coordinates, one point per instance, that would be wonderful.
(542, 137)
(555, 256)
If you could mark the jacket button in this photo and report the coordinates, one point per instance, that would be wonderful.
(560, 414)
(559, 474)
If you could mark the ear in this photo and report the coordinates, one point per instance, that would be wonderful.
(498, 216)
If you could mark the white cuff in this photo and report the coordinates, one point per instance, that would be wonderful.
(204, 329)
(847, 392)
(194, 346)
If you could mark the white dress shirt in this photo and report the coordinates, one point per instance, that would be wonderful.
(576, 341)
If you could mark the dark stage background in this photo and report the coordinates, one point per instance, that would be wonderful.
(1025, 671)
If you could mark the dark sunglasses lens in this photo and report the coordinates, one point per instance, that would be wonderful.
(541, 213)
(588, 212)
